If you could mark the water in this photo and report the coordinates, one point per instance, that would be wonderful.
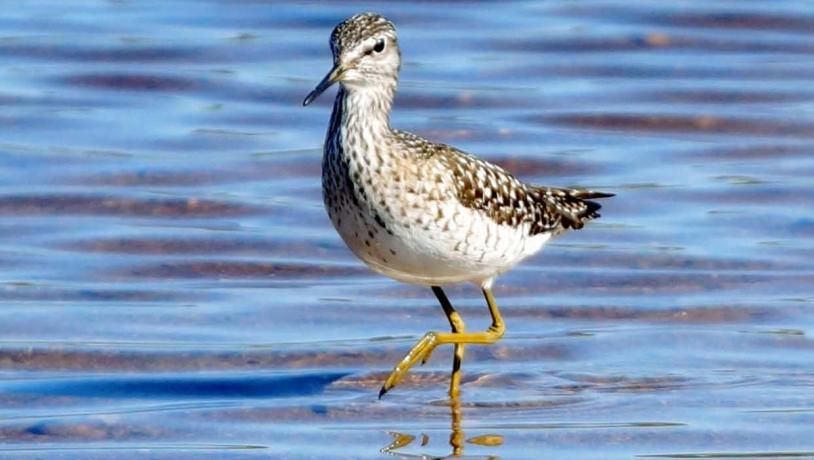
(171, 287)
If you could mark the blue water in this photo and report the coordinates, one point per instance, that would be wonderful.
(170, 286)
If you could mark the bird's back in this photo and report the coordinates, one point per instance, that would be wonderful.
(489, 189)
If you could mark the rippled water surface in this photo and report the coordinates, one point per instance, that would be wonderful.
(171, 286)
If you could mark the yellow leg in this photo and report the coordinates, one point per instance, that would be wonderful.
(456, 436)
(456, 323)
(421, 351)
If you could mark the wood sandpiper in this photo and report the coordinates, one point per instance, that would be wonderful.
(422, 212)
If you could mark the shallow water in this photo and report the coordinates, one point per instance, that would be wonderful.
(171, 287)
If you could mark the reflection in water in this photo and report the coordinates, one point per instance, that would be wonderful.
(456, 437)
(399, 440)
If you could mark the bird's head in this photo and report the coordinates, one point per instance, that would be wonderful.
(365, 54)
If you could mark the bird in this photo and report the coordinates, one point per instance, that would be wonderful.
(423, 212)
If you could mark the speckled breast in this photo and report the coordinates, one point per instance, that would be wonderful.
(407, 229)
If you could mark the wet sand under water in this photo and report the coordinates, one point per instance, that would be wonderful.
(171, 286)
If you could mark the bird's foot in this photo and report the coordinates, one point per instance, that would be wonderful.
(424, 348)
(421, 351)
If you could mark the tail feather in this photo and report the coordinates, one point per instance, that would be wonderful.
(592, 206)
(573, 206)
(590, 194)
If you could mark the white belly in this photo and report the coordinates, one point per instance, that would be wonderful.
(421, 249)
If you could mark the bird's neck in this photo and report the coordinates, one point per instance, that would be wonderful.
(364, 111)
(358, 136)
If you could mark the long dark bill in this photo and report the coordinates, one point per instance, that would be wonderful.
(326, 83)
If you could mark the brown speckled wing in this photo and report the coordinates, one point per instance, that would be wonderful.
(494, 191)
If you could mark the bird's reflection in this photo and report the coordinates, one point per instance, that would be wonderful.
(457, 438)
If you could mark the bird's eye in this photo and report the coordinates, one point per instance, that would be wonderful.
(379, 46)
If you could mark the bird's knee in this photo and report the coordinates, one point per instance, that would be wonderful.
(457, 323)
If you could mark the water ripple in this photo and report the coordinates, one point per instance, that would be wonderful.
(49, 205)
(256, 385)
